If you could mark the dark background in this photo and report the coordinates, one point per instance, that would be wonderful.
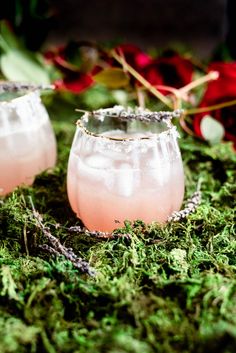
(200, 25)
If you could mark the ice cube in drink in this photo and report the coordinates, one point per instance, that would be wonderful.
(27, 142)
(23, 155)
(105, 188)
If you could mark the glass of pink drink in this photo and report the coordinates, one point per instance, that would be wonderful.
(27, 141)
(124, 169)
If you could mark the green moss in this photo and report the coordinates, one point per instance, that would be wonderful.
(167, 289)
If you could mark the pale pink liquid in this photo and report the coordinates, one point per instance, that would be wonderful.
(25, 154)
(105, 188)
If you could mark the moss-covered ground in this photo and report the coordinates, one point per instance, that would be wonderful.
(170, 289)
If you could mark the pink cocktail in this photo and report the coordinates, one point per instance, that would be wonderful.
(27, 141)
(121, 170)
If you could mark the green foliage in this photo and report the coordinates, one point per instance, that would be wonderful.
(30, 20)
(18, 64)
(212, 130)
(168, 289)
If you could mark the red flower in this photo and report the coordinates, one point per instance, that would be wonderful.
(134, 56)
(219, 91)
(57, 57)
(73, 78)
(76, 83)
(170, 70)
(174, 70)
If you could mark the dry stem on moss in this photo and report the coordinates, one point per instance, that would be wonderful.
(191, 205)
(57, 249)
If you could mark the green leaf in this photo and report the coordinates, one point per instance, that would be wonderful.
(18, 65)
(8, 36)
(212, 130)
(97, 96)
(112, 78)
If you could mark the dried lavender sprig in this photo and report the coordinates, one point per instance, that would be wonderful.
(138, 115)
(98, 234)
(191, 206)
(57, 248)
(145, 116)
(12, 87)
(49, 249)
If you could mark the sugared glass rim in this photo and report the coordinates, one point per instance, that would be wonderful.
(130, 114)
(13, 101)
(24, 89)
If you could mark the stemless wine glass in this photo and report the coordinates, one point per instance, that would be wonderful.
(121, 168)
(27, 141)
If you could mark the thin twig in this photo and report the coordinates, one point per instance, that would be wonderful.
(141, 79)
(26, 240)
(185, 126)
(212, 75)
(210, 108)
(140, 97)
(56, 248)
(158, 241)
(163, 88)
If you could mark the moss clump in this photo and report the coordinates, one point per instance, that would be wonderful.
(167, 289)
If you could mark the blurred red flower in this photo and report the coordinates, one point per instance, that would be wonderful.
(170, 69)
(219, 91)
(134, 56)
(76, 83)
(173, 69)
(73, 79)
